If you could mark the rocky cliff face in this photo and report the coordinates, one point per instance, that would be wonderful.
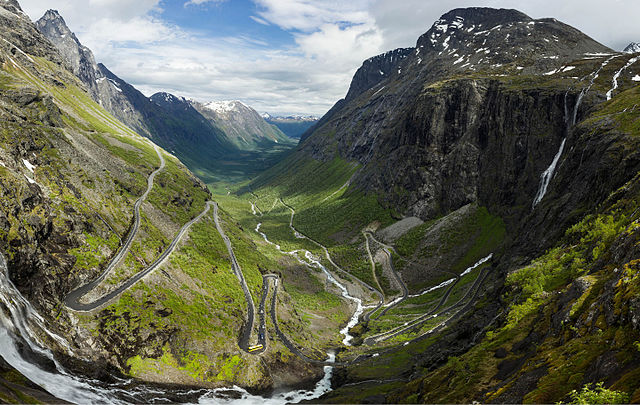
(486, 106)
(376, 70)
(80, 58)
(103, 87)
(466, 112)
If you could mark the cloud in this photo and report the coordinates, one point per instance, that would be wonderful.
(309, 15)
(329, 39)
(199, 2)
(101, 24)
(259, 20)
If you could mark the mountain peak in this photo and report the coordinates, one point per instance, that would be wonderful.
(11, 5)
(53, 19)
(166, 98)
(633, 47)
(485, 16)
(488, 38)
(55, 28)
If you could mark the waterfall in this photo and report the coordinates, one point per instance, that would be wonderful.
(547, 175)
(22, 347)
(20, 322)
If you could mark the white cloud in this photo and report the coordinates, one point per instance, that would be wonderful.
(309, 15)
(198, 2)
(331, 38)
(259, 20)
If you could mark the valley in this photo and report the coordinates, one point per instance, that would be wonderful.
(462, 226)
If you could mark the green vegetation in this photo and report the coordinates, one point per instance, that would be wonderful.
(464, 241)
(408, 243)
(566, 354)
(91, 253)
(622, 109)
(590, 394)
(178, 194)
(326, 210)
(320, 301)
(593, 237)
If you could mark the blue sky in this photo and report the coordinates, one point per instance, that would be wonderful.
(225, 19)
(283, 56)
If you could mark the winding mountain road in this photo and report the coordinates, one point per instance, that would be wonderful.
(396, 275)
(237, 270)
(435, 312)
(285, 340)
(72, 299)
(373, 264)
(471, 294)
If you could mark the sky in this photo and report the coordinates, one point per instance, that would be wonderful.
(283, 56)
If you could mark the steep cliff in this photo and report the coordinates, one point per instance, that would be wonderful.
(497, 132)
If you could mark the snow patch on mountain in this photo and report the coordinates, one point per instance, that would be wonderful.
(223, 106)
(633, 47)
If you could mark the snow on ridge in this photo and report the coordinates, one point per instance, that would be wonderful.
(223, 106)
(633, 47)
(115, 84)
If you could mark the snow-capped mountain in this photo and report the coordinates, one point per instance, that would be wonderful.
(633, 47)
(292, 125)
(243, 126)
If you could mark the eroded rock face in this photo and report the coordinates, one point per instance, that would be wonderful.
(80, 58)
(11, 5)
(447, 139)
(377, 69)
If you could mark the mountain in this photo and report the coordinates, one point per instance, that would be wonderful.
(173, 123)
(461, 228)
(633, 47)
(103, 89)
(501, 146)
(292, 126)
(117, 271)
(242, 125)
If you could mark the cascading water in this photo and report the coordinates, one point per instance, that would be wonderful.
(20, 322)
(311, 261)
(21, 346)
(547, 175)
(616, 76)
